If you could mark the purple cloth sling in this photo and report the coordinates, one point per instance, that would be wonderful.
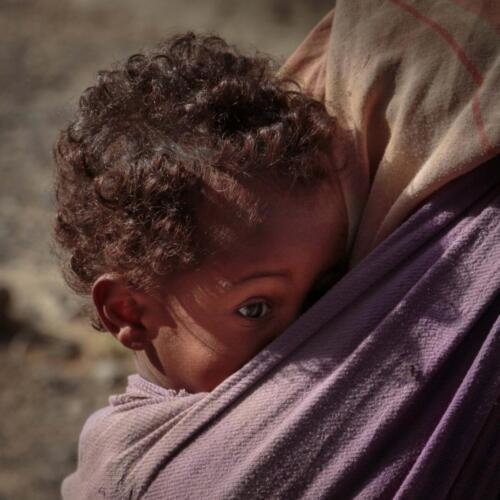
(387, 387)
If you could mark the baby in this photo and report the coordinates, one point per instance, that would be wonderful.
(199, 207)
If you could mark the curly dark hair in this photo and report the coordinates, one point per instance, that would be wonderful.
(157, 133)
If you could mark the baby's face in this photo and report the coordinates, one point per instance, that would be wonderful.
(212, 320)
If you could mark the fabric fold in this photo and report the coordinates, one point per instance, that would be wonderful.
(381, 390)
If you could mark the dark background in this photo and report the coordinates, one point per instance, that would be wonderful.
(54, 369)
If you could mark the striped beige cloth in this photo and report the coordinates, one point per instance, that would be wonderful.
(415, 86)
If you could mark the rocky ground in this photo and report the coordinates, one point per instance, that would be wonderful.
(54, 369)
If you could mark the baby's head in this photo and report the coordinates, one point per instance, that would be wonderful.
(199, 206)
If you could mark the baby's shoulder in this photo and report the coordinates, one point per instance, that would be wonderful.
(140, 409)
(116, 439)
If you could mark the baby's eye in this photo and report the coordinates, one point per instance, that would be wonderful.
(255, 310)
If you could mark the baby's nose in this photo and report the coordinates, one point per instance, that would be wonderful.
(321, 287)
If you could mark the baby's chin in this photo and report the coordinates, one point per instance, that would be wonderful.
(193, 377)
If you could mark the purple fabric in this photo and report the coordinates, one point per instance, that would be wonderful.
(385, 388)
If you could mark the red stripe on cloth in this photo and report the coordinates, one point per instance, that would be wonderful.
(456, 47)
(462, 56)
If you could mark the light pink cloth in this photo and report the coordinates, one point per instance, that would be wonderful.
(123, 435)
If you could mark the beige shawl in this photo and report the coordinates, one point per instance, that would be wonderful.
(416, 85)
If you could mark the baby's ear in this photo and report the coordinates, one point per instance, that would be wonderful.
(121, 312)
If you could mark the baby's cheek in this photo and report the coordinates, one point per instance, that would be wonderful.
(192, 364)
(208, 371)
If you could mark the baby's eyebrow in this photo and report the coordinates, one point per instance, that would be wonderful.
(279, 273)
(227, 285)
(285, 274)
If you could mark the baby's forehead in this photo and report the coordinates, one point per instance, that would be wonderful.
(226, 211)
(253, 200)
(262, 217)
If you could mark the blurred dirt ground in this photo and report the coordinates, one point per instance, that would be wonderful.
(54, 369)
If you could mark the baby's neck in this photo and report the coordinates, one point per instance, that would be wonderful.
(147, 370)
